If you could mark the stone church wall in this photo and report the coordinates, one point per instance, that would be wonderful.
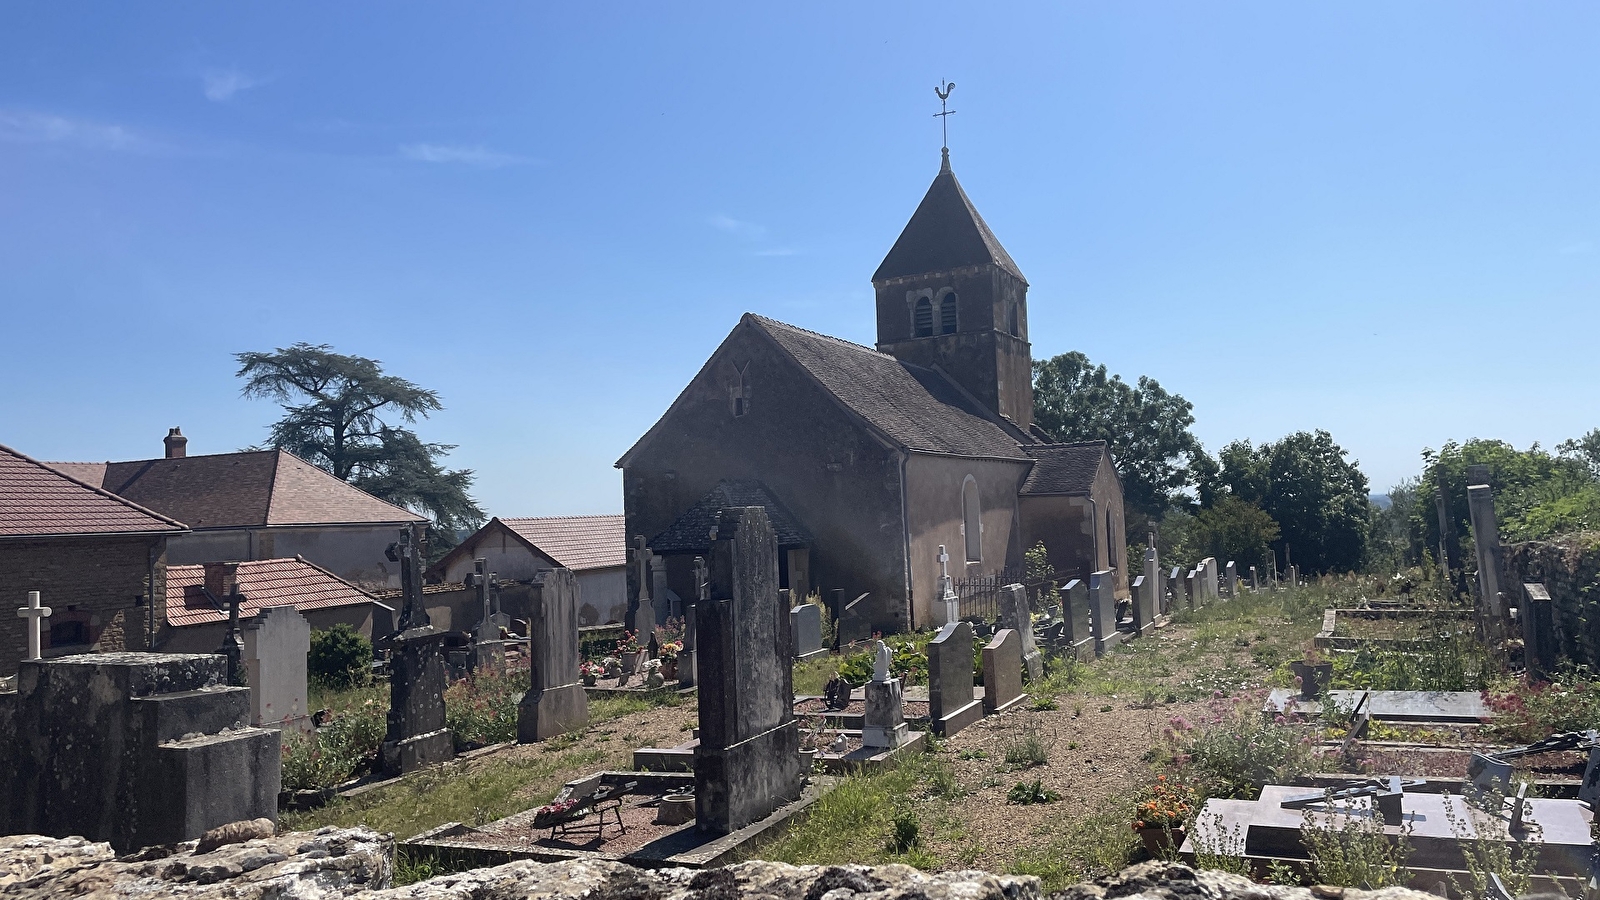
(838, 481)
(95, 581)
(934, 508)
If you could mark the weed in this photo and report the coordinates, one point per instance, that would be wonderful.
(1219, 848)
(1027, 793)
(972, 753)
(1485, 840)
(1091, 847)
(1027, 749)
(1239, 750)
(1045, 704)
(906, 832)
(864, 819)
(1106, 708)
(1350, 849)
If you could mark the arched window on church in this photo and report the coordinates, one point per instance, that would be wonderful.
(971, 520)
(922, 319)
(947, 313)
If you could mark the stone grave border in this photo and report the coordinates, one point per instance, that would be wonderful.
(1329, 639)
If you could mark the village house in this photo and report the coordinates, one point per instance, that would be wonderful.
(869, 459)
(96, 560)
(197, 600)
(257, 505)
(517, 549)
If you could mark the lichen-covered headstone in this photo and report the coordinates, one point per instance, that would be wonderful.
(555, 702)
(1016, 615)
(951, 700)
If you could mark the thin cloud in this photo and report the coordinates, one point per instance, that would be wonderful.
(746, 230)
(20, 127)
(221, 84)
(476, 155)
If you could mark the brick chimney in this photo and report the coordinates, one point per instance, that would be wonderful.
(176, 443)
(221, 577)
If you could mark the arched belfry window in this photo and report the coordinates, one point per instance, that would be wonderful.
(972, 520)
(947, 313)
(922, 318)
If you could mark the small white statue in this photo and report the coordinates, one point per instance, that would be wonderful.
(880, 669)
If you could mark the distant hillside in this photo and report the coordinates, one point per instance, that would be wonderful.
(1381, 500)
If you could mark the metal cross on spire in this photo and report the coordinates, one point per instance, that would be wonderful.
(943, 90)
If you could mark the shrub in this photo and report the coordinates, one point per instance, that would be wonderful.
(340, 657)
(1352, 850)
(339, 750)
(1532, 712)
(1238, 750)
(482, 709)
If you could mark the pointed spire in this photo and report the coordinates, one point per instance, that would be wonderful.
(944, 233)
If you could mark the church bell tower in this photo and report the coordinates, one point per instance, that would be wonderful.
(950, 296)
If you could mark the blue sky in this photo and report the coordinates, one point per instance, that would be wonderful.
(1378, 219)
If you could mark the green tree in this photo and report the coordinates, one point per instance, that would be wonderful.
(1146, 427)
(1536, 495)
(1303, 481)
(339, 657)
(1230, 529)
(338, 415)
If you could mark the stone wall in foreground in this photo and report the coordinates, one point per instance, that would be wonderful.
(355, 863)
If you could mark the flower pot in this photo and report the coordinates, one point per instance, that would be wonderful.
(808, 758)
(654, 680)
(632, 661)
(1158, 840)
(1314, 677)
(669, 669)
(589, 680)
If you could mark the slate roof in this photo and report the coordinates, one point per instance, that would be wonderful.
(250, 488)
(263, 583)
(944, 233)
(912, 406)
(1063, 468)
(692, 530)
(38, 501)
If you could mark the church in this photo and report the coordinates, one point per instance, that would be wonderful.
(869, 459)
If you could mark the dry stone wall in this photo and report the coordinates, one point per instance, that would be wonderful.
(1570, 570)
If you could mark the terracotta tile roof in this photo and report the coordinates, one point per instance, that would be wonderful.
(38, 501)
(944, 233)
(264, 583)
(1064, 468)
(576, 542)
(253, 487)
(691, 532)
(915, 407)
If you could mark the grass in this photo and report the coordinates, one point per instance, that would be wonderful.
(1065, 853)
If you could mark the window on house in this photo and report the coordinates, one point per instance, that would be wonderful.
(971, 521)
(947, 314)
(739, 392)
(922, 317)
(66, 634)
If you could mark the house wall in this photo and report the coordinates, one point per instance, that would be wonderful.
(821, 463)
(352, 552)
(507, 555)
(934, 508)
(98, 581)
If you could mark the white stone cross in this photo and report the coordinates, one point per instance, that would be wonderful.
(35, 614)
(947, 591)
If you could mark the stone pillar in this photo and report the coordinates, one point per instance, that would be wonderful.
(275, 646)
(951, 703)
(1538, 633)
(136, 749)
(1103, 605)
(555, 702)
(748, 762)
(1016, 615)
(1486, 541)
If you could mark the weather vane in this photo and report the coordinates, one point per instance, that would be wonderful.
(943, 90)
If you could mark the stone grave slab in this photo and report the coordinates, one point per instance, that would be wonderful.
(805, 626)
(1002, 672)
(276, 642)
(1017, 614)
(555, 702)
(952, 705)
(1077, 632)
(1392, 706)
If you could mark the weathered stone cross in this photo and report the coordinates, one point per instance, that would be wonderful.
(947, 593)
(35, 614)
(641, 558)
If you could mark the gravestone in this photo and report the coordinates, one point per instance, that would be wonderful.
(665, 602)
(805, 627)
(1152, 584)
(1002, 672)
(555, 702)
(488, 650)
(951, 703)
(416, 737)
(1077, 630)
(1209, 579)
(1017, 616)
(35, 614)
(1486, 542)
(688, 665)
(1255, 580)
(1230, 578)
(1103, 606)
(1538, 633)
(136, 749)
(275, 646)
(884, 725)
(1191, 589)
(641, 615)
(1294, 576)
(1142, 619)
(1175, 585)
(748, 763)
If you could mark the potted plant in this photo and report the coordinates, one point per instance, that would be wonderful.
(1313, 673)
(554, 812)
(667, 652)
(631, 653)
(1162, 814)
(810, 741)
(591, 672)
